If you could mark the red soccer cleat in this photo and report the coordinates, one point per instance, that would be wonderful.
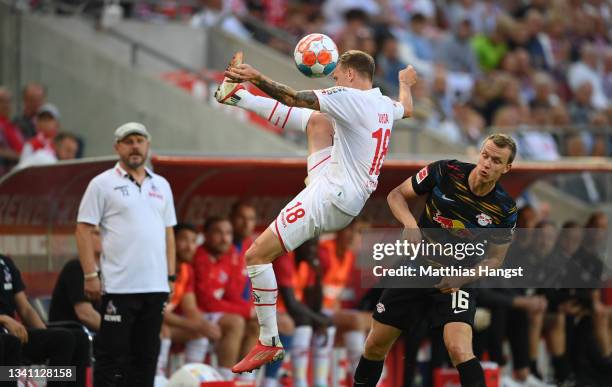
(258, 356)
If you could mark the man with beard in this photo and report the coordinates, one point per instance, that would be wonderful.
(135, 212)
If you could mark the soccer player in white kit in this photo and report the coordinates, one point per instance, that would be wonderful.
(342, 170)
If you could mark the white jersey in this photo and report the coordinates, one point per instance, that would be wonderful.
(363, 120)
(133, 221)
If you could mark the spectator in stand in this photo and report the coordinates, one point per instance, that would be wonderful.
(34, 96)
(220, 279)
(11, 139)
(68, 301)
(582, 112)
(38, 344)
(456, 52)
(219, 12)
(587, 70)
(491, 48)
(544, 90)
(472, 10)
(607, 82)
(66, 146)
(183, 321)
(538, 45)
(416, 37)
(355, 21)
(538, 144)
(39, 149)
(388, 63)
(335, 10)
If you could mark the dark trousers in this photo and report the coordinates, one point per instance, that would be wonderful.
(127, 346)
(512, 324)
(10, 354)
(52, 346)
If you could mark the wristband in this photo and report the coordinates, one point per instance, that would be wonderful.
(92, 275)
(172, 278)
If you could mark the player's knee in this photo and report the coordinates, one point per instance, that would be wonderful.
(233, 324)
(319, 126)
(375, 349)
(251, 257)
(459, 352)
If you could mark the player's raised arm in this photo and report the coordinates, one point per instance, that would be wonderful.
(407, 78)
(276, 90)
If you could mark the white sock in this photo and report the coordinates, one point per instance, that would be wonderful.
(265, 293)
(270, 382)
(195, 350)
(323, 345)
(283, 116)
(354, 342)
(299, 354)
(226, 373)
(164, 353)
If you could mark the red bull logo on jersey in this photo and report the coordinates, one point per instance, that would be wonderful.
(447, 222)
(457, 227)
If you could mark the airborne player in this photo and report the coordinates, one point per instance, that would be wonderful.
(347, 147)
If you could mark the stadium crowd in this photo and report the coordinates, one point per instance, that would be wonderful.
(518, 64)
(323, 306)
(33, 136)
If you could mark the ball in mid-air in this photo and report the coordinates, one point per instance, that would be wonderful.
(316, 55)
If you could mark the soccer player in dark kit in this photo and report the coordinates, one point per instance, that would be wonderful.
(463, 203)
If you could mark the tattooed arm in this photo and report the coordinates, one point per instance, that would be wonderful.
(276, 90)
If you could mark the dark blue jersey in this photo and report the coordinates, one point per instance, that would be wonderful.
(452, 206)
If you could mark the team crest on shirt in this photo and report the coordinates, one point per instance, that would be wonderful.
(484, 220)
(423, 173)
(380, 307)
(333, 90)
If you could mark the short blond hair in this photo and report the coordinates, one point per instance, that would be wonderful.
(359, 61)
(502, 140)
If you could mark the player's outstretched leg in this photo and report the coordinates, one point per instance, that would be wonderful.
(379, 342)
(317, 126)
(259, 257)
(458, 342)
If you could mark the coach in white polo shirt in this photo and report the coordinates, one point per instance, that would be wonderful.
(135, 212)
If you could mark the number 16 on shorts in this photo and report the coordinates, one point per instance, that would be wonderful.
(460, 301)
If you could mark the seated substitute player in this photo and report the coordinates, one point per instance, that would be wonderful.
(219, 281)
(454, 190)
(183, 321)
(343, 173)
(68, 301)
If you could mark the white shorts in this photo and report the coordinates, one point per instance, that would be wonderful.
(311, 212)
(213, 317)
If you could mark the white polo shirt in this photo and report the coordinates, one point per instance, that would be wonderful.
(132, 222)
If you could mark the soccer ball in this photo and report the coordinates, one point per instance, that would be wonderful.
(193, 375)
(316, 55)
